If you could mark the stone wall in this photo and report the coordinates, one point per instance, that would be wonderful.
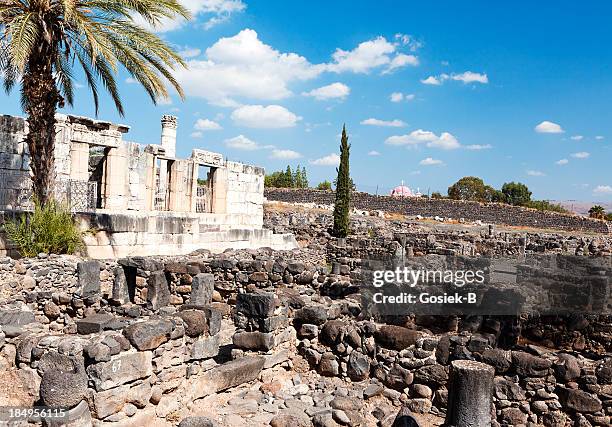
(493, 213)
(245, 186)
(14, 158)
(108, 235)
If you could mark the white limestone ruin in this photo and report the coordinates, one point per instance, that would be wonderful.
(137, 199)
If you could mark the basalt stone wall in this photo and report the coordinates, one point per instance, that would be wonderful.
(472, 211)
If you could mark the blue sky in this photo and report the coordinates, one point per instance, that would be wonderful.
(429, 91)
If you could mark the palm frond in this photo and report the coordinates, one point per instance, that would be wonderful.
(64, 78)
(24, 32)
(99, 35)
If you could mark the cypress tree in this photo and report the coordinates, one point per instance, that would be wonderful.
(343, 190)
(288, 181)
(304, 178)
(297, 177)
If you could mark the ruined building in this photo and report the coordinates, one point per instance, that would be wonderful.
(139, 199)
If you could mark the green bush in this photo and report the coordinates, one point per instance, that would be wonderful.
(49, 229)
(544, 205)
(325, 185)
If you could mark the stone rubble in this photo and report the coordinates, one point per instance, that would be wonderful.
(262, 337)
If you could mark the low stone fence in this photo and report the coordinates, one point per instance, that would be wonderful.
(493, 213)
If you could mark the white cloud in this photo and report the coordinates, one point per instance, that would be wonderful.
(465, 77)
(603, 189)
(409, 41)
(241, 142)
(445, 141)
(417, 172)
(206, 124)
(131, 81)
(399, 97)
(577, 137)
(369, 55)
(331, 91)
(396, 97)
(196, 134)
(332, 159)
(431, 162)
(470, 77)
(599, 137)
(562, 162)
(401, 60)
(581, 155)
(548, 127)
(432, 80)
(189, 52)
(477, 147)
(220, 10)
(386, 123)
(264, 117)
(244, 66)
(285, 154)
(535, 173)
(373, 153)
(164, 101)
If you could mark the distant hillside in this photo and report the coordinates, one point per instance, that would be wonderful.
(582, 208)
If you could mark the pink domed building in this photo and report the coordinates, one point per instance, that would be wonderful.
(404, 191)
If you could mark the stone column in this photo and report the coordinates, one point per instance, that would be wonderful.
(219, 191)
(79, 161)
(168, 134)
(179, 179)
(469, 394)
(168, 142)
(149, 181)
(193, 190)
(117, 180)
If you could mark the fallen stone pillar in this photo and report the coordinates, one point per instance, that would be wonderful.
(469, 394)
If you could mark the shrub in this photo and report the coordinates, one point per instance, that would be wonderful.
(49, 229)
(325, 185)
(544, 205)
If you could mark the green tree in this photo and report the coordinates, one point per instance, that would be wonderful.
(516, 193)
(609, 216)
(297, 177)
(275, 179)
(41, 40)
(304, 178)
(597, 212)
(288, 179)
(436, 195)
(352, 185)
(325, 185)
(343, 190)
(494, 195)
(469, 188)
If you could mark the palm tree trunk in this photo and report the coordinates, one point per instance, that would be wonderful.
(40, 97)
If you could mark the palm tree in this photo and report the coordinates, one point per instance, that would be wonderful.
(597, 212)
(42, 40)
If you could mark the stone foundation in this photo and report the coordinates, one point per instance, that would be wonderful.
(116, 235)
